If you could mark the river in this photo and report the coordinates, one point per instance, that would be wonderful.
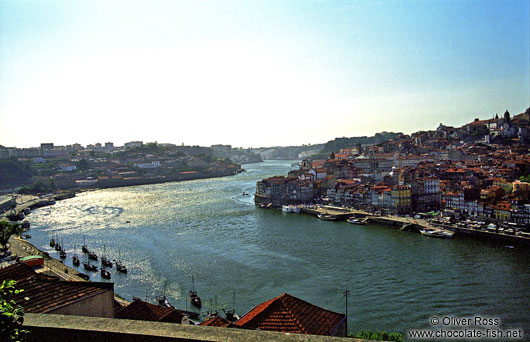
(208, 229)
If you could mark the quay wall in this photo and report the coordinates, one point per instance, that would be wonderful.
(415, 226)
(48, 327)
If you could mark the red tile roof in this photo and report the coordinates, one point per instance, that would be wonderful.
(286, 313)
(43, 293)
(144, 311)
(218, 322)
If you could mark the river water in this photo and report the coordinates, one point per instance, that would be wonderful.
(208, 229)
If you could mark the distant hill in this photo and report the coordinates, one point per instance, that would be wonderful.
(338, 143)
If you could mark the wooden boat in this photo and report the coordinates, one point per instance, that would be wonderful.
(92, 256)
(231, 315)
(88, 266)
(84, 248)
(327, 217)
(105, 274)
(75, 258)
(163, 302)
(62, 254)
(52, 242)
(119, 266)
(439, 233)
(104, 261)
(356, 221)
(194, 298)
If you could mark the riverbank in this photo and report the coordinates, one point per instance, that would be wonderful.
(22, 248)
(334, 213)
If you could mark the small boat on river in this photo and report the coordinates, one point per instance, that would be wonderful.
(439, 233)
(104, 261)
(92, 256)
(88, 266)
(230, 314)
(194, 298)
(84, 248)
(105, 274)
(356, 221)
(75, 258)
(327, 217)
(119, 266)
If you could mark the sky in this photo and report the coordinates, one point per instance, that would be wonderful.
(255, 73)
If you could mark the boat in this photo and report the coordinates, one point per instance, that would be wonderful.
(194, 298)
(84, 248)
(62, 254)
(58, 246)
(105, 274)
(231, 315)
(163, 302)
(52, 242)
(92, 256)
(432, 232)
(88, 266)
(327, 217)
(27, 236)
(104, 261)
(119, 266)
(355, 221)
(75, 258)
(286, 209)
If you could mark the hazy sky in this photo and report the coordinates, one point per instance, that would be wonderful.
(255, 73)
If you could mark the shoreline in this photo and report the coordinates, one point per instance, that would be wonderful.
(413, 225)
(21, 248)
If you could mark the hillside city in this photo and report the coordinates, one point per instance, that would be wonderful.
(479, 171)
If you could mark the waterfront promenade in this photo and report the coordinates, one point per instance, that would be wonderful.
(411, 224)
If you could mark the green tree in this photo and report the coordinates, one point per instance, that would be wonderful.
(11, 314)
(525, 179)
(6, 230)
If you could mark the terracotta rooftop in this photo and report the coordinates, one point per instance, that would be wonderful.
(217, 321)
(144, 311)
(44, 293)
(289, 314)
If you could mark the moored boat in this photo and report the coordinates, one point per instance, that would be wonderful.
(104, 261)
(88, 266)
(92, 256)
(105, 274)
(439, 233)
(194, 298)
(84, 248)
(75, 260)
(356, 221)
(327, 217)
